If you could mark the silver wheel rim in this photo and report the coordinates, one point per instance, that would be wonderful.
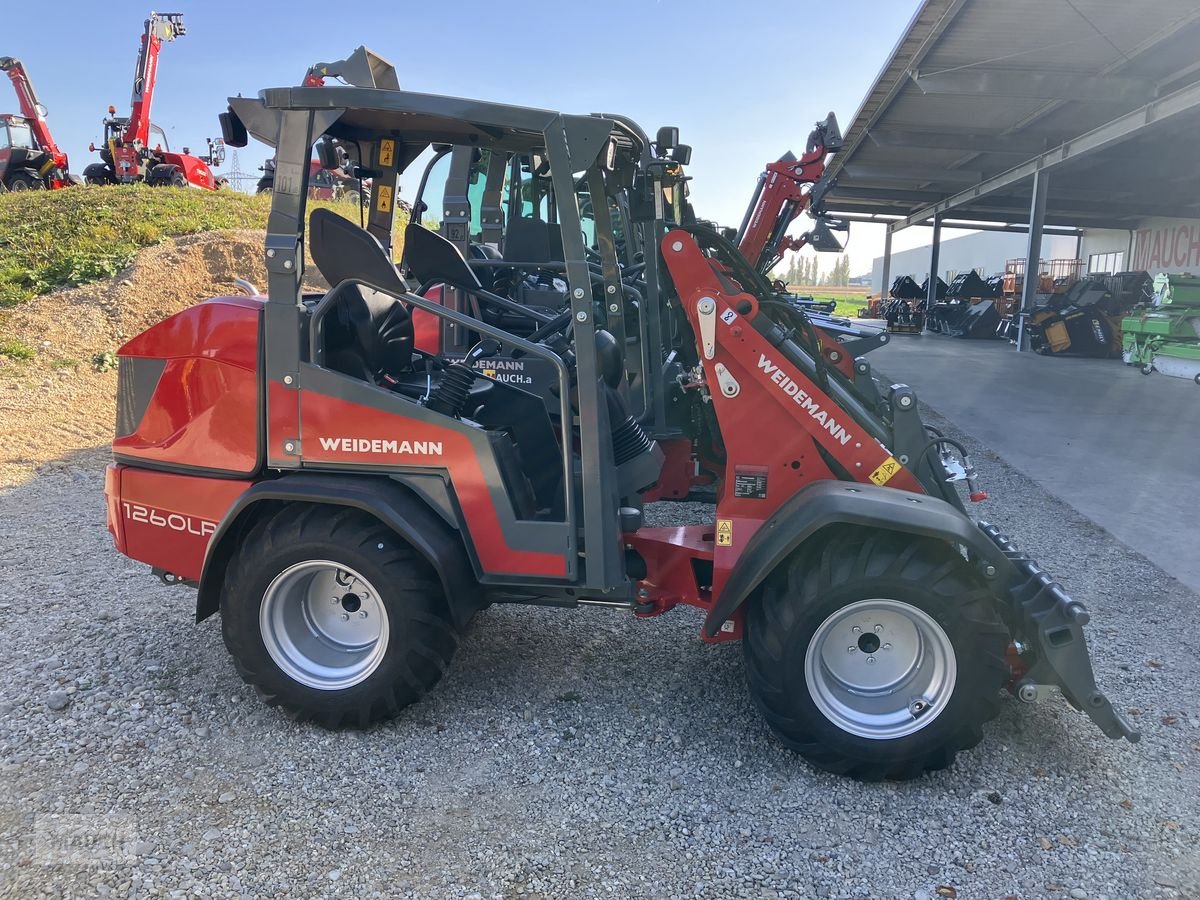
(324, 625)
(880, 669)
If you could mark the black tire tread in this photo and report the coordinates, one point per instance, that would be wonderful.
(846, 556)
(423, 618)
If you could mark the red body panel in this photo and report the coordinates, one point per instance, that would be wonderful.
(166, 520)
(205, 409)
(329, 423)
(678, 472)
(804, 419)
(426, 326)
(195, 170)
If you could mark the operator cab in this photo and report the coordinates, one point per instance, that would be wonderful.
(15, 134)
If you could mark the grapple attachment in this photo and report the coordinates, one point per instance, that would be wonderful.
(1051, 623)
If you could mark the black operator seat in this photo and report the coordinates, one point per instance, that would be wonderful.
(368, 334)
(527, 241)
(433, 259)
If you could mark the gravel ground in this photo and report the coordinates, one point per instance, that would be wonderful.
(568, 754)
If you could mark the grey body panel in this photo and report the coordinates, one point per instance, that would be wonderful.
(385, 499)
(826, 503)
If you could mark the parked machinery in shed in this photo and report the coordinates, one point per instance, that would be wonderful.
(1163, 335)
(29, 158)
(348, 493)
(127, 153)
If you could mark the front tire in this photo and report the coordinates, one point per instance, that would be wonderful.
(329, 615)
(875, 654)
(97, 173)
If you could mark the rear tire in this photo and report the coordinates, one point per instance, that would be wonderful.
(177, 179)
(382, 642)
(24, 181)
(832, 605)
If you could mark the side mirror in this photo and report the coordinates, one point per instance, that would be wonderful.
(327, 154)
(232, 129)
(682, 154)
(666, 138)
(608, 159)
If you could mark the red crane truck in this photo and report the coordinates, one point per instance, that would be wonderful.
(29, 158)
(126, 153)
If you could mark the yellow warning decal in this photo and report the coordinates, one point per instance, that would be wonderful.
(383, 198)
(387, 153)
(886, 470)
(724, 532)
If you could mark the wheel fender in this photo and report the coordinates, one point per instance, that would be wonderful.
(393, 504)
(96, 172)
(827, 503)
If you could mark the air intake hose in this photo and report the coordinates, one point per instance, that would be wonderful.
(450, 396)
(628, 438)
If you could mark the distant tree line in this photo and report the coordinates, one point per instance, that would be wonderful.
(806, 270)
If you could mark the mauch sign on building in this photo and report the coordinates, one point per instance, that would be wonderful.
(1167, 245)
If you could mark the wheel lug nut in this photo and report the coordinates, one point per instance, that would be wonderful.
(345, 617)
(887, 646)
(334, 599)
(363, 614)
(856, 629)
(871, 659)
(878, 629)
(851, 649)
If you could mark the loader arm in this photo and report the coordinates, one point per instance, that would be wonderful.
(780, 197)
(32, 109)
(159, 27)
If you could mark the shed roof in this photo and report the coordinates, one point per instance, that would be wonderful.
(1104, 95)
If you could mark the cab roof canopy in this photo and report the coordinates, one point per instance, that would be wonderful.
(417, 120)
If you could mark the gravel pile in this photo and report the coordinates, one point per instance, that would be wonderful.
(567, 754)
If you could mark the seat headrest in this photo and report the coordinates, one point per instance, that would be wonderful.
(340, 249)
(432, 258)
(527, 241)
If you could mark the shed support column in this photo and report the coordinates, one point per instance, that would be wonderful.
(931, 296)
(887, 262)
(1033, 255)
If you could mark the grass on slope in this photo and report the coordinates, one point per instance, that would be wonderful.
(51, 239)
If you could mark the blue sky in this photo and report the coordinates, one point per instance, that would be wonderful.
(743, 81)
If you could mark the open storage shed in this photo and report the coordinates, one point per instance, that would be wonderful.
(1078, 117)
(1035, 114)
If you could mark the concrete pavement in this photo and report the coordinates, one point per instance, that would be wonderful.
(1121, 447)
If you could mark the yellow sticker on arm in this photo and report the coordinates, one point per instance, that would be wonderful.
(886, 470)
(387, 153)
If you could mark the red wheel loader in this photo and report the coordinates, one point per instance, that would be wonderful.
(29, 158)
(127, 153)
(348, 497)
